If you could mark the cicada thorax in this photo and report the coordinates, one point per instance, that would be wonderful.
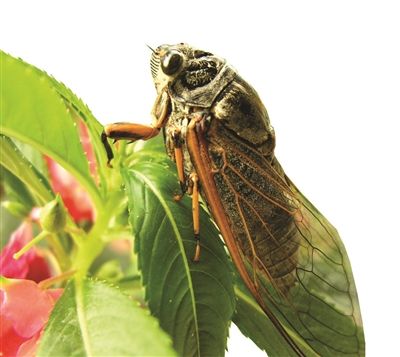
(201, 82)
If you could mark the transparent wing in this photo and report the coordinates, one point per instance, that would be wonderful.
(322, 304)
(295, 257)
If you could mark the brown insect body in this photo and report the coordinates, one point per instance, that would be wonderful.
(240, 144)
(289, 256)
(253, 193)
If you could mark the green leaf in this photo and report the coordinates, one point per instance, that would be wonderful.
(81, 111)
(33, 156)
(254, 324)
(193, 301)
(13, 160)
(93, 319)
(9, 224)
(33, 112)
(14, 187)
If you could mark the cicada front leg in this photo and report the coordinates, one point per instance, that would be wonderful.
(180, 165)
(133, 132)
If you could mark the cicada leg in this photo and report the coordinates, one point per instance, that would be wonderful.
(178, 154)
(133, 132)
(189, 185)
(196, 213)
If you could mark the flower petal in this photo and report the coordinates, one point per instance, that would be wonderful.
(31, 265)
(28, 348)
(27, 306)
(38, 267)
(10, 341)
(75, 198)
(9, 267)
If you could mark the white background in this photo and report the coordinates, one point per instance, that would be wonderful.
(328, 73)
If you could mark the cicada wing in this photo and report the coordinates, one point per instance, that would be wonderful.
(289, 256)
(298, 261)
(204, 164)
(324, 299)
(319, 301)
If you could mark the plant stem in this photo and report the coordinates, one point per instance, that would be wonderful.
(30, 244)
(44, 284)
(62, 257)
(93, 245)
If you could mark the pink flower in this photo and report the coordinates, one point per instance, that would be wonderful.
(75, 198)
(24, 310)
(31, 265)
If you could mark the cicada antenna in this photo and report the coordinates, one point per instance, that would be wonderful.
(150, 48)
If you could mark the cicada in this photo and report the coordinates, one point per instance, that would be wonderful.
(290, 257)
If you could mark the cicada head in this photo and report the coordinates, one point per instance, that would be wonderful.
(193, 77)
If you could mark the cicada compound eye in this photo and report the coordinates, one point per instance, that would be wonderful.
(171, 62)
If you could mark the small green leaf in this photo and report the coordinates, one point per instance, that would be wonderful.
(254, 324)
(15, 208)
(93, 319)
(33, 112)
(15, 190)
(9, 224)
(193, 301)
(13, 160)
(33, 156)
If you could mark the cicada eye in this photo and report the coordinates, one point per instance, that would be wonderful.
(171, 62)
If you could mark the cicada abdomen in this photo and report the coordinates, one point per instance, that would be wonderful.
(289, 256)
